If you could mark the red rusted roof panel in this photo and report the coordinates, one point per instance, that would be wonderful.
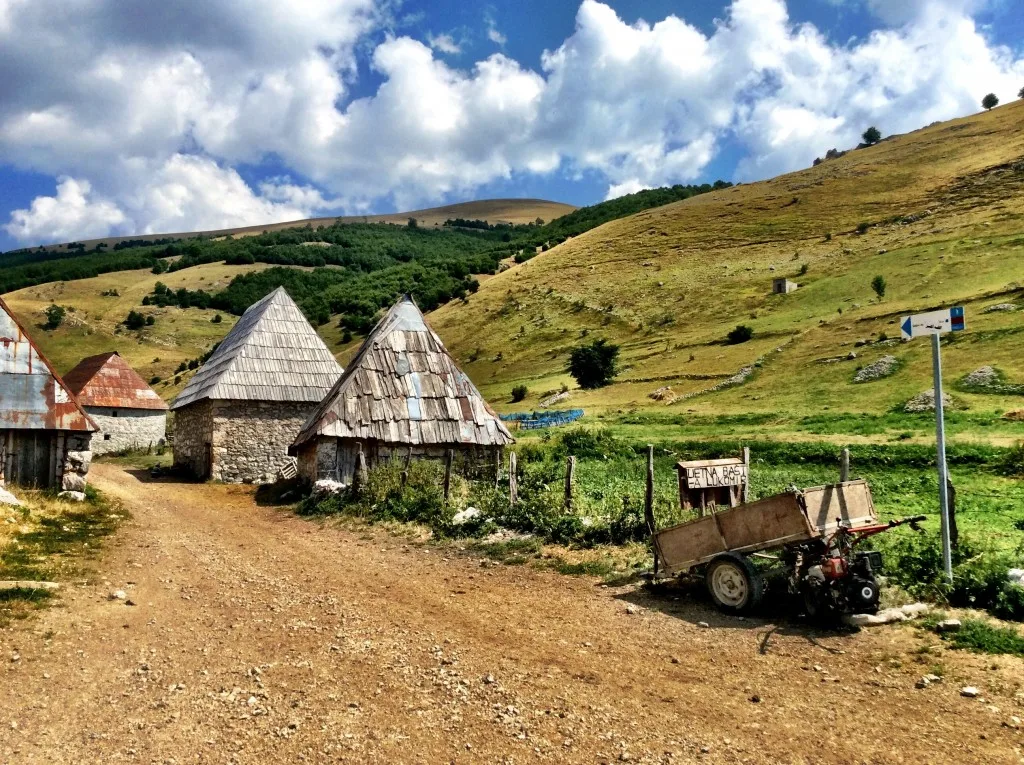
(32, 394)
(107, 380)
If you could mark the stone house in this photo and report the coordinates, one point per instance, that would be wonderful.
(783, 286)
(403, 396)
(236, 417)
(45, 433)
(128, 413)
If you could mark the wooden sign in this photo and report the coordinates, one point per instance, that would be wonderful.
(710, 474)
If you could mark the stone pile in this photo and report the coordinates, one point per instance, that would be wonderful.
(884, 367)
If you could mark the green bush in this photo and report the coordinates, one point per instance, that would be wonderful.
(741, 333)
(54, 316)
(519, 392)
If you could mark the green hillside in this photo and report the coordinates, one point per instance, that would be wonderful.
(938, 213)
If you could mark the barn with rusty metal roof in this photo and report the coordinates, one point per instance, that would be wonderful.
(402, 396)
(45, 433)
(130, 415)
(236, 417)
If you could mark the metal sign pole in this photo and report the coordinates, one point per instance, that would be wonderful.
(940, 438)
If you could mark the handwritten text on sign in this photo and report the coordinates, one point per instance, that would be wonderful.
(709, 476)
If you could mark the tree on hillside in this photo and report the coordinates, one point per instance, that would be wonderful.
(878, 285)
(594, 365)
(519, 392)
(990, 101)
(135, 320)
(1020, 93)
(739, 334)
(413, 223)
(872, 136)
(54, 316)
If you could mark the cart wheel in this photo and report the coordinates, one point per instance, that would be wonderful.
(733, 583)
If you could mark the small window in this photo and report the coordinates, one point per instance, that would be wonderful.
(106, 436)
(113, 413)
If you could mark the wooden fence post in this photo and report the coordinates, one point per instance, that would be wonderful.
(844, 466)
(405, 469)
(360, 476)
(746, 482)
(513, 482)
(570, 472)
(954, 532)
(449, 455)
(649, 493)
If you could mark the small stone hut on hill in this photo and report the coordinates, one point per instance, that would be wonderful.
(44, 431)
(236, 417)
(129, 414)
(403, 394)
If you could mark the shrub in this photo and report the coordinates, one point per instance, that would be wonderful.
(1012, 462)
(862, 227)
(54, 316)
(217, 318)
(519, 392)
(741, 333)
(154, 379)
(150, 320)
(346, 337)
(878, 285)
(872, 136)
(990, 101)
(594, 365)
(1020, 93)
(803, 269)
(134, 320)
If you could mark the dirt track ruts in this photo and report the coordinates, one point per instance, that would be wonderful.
(262, 637)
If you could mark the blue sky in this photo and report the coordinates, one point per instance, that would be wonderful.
(179, 116)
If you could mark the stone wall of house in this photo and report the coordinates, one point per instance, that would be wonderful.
(193, 435)
(251, 438)
(124, 429)
(336, 460)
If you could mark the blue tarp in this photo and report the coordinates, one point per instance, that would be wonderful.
(546, 419)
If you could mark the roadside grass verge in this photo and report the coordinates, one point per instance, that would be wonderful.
(49, 539)
(976, 635)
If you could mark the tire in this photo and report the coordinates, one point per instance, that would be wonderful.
(733, 583)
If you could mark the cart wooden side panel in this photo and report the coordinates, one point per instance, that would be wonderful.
(850, 501)
(760, 525)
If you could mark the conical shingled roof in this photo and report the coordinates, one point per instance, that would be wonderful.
(107, 380)
(403, 387)
(32, 394)
(271, 354)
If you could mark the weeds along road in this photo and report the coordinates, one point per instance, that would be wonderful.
(262, 637)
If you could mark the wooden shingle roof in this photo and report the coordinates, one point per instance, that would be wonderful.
(107, 380)
(271, 354)
(403, 387)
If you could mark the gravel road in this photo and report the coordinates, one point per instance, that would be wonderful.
(258, 636)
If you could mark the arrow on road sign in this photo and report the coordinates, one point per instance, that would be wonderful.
(933, 323)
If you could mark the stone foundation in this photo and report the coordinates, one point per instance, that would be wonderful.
(335, 458)
(126, 429)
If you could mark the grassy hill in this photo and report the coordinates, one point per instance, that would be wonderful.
(938, 213)
(510, 211)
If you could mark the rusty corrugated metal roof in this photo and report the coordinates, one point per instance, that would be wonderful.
(403, 387)
(32, 394)
(107, 380)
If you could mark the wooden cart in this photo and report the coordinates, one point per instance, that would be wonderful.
(720, 542)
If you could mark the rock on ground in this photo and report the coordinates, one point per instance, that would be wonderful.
(884, 367)
(925, 402)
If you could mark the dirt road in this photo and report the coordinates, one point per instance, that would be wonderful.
(258, 636)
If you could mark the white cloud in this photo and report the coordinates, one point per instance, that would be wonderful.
(444, 43)
(493, 33)
(153, 125)
(71, 214)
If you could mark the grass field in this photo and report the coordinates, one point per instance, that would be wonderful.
(945, 215)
